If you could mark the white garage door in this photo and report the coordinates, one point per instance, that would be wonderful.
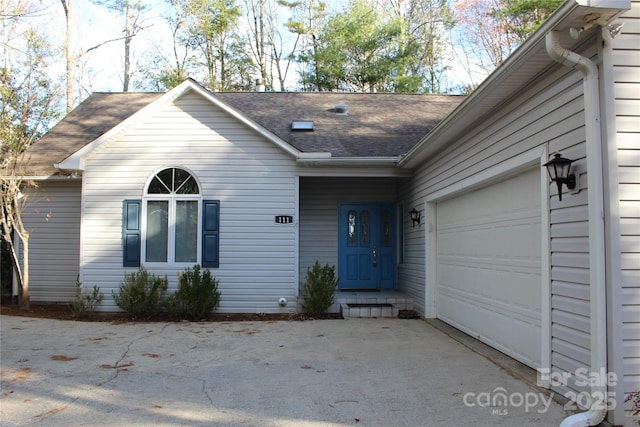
(488, 265)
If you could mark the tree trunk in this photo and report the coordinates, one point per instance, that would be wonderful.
(66, 5)
(24, 301)
(20, 275)
(127, 47)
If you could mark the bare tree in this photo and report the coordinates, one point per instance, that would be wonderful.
(487, 31)
(282, 54)
(69, 56)
(131, 12)
(26, 107)
(257, 20)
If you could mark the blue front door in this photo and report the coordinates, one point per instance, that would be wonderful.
(366, 251)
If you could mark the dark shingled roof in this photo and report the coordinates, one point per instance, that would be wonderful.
(376, 125)
(96, 115)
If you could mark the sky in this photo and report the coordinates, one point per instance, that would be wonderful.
(95, 24)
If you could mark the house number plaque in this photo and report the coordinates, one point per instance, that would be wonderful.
(284, 219)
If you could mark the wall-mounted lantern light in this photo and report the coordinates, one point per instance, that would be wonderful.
(415, 217)
(558, 169)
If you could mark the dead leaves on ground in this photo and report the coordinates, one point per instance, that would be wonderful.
(246, 331)
(11, 375)
(62, 358)
(122, 367)
(49, 412)
(152, 355)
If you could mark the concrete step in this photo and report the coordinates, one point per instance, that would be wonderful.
(368, 310)
(372, 305)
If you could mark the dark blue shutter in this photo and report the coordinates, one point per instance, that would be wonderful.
(131, 233)
(210, 233)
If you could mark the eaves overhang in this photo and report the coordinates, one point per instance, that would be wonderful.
(529, 61)
(323, 164)
(325, 159)
(76, 160)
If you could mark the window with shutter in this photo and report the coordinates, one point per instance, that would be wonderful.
(171, 224)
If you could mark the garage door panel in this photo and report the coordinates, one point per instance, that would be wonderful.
(489, 302)
(489, 267)
(501, 330)
(521, 288)
(506, 240)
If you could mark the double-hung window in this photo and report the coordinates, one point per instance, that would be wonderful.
(171, 224)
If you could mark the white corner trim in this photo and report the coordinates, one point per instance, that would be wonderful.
(545, 271)
(431, 261)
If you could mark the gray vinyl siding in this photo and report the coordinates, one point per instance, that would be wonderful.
(252, 178)
(411, 273)
(626, 311)
(548, 113)
(319, 199)
(52, 216)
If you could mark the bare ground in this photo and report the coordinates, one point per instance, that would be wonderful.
(63, 312)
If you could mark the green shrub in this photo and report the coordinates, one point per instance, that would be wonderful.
(140, 294)
(85, 302)
(196, 297)
(319, 289)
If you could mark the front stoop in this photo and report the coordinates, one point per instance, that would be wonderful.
(370, 305)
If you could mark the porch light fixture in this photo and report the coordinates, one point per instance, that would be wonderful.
(558, 169)
(415, 217)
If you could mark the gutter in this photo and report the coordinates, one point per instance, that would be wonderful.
(325, 159)
(467, 112)
(597, 246)
(74, 177)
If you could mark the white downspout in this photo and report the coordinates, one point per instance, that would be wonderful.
(597, 247)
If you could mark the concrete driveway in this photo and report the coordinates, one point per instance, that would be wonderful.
(363, 372)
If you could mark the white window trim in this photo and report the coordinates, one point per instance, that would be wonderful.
(171, 240)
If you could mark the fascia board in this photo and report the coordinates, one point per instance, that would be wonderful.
(321, 159)
(606, 4)
(323, 165)
(51, 178)
(76, 160)
(468, 111)
(244, 119)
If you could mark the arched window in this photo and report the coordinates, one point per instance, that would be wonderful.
(172, 215)
(173, 181)
(172, 224)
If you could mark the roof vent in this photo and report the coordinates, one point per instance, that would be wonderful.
(341, 109)
(302, 126)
